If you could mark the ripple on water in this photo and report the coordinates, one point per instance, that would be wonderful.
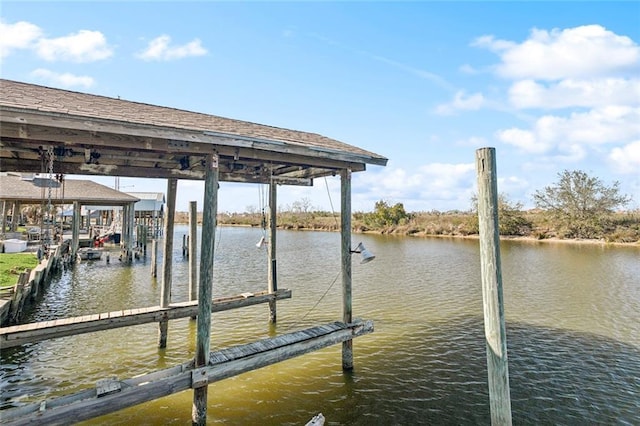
(572, 358)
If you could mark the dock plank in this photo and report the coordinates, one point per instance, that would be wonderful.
(35, 332)
(225, 363)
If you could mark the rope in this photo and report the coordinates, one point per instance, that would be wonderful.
(339, 273)
(331, 203)
(317, 303)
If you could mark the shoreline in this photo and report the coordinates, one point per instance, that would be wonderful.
(527, 239)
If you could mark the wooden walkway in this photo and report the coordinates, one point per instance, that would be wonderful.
(112, 394)
(34, 332)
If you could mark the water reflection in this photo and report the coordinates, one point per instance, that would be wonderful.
(573, 330)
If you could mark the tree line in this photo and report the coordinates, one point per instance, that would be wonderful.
(577, 206)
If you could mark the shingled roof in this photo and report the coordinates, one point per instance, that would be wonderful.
(101, 135)
(35, 189)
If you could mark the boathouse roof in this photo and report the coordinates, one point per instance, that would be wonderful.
(148, 202)
(34, 189)
(99, 135)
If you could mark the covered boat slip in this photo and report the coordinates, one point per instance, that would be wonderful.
(96, 135)
(113, 394)
(35, 332)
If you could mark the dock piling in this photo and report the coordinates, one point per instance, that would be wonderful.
(493, 303)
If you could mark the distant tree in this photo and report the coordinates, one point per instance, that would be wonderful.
(581, 205)
(511, 220)
(301, 206)
(386, 215)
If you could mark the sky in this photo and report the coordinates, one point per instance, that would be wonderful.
(552, 86)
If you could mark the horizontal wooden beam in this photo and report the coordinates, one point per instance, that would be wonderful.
(223, 364)
(68, 168)
(66, 128)
(34, 332)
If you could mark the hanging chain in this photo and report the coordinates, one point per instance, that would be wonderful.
(50, 158)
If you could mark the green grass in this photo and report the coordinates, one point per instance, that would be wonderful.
(11, 264)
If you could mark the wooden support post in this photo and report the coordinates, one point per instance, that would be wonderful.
(494, 324)
(154, 258)
(193, 246)
(15, 216)
(345, 237)
(272, 267)
(125, 234)
(131, 219)
(167, 258)
(75, 232)
(203, 339)
(3, 218)
(184, 245)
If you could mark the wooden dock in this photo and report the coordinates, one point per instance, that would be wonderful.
(112, 394)
(34, 332)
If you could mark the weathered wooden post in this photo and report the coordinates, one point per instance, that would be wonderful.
(75, 232)
(154, 258)
(494, 323)
(132, 221)
(184, 245)
(167, 258)
(272, 267)
(193, 246)
(345, 236)
(3, 218)
(209, 212)
(15, 215)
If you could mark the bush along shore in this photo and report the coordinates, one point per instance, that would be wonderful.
(578, 207)
(536, 225)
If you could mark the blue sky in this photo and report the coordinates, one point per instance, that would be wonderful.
(552, 86)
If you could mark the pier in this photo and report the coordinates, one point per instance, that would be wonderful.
(82, 134)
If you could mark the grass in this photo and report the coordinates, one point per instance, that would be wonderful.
(11, 264)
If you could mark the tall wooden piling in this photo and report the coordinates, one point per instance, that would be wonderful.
(272, 267)
(209, 212)
(193, 246)
(167, 257)
(75, 231)
(154, 257)
(494, 323)
(345, 237)
(3, 217)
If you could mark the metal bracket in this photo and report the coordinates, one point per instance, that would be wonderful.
(107, 386)
(199, 378)
(177, 144)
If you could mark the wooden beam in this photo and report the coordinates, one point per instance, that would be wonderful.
(207, 251)
(345, 238)
(167, 255)
(272, 270)
(38, 331)
(66, 168)
(99, 132)
(224, 364)
(493, 303)
(193, 250)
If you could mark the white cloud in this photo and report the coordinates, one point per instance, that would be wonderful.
(581, 52)
(83, 46)
(626, 159)
(524, 139)
(572, 135)
(20, 35)
(461, 102)
(438, 186)
(575, 93)
(62, 79)
(160, 50)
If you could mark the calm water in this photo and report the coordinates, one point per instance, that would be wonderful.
(573, 331)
